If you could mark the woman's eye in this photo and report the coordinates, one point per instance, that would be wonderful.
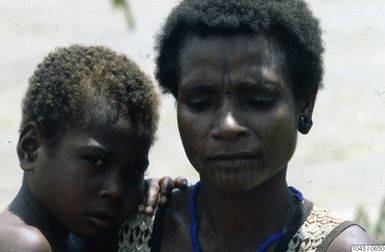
(199, 105)
(260, 103)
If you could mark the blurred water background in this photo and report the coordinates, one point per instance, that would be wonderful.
(339, 165)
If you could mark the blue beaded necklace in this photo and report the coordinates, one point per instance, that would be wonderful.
(194, 225)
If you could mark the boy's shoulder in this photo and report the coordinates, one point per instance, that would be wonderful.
(15, 235)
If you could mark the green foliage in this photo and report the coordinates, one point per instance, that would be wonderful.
(125, 7)
(119, 3)
(361, 217)
(377, 229)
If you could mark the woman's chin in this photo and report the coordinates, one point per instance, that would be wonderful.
(224, 181)
(233, 183)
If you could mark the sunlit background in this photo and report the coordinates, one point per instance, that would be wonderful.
(339, 165)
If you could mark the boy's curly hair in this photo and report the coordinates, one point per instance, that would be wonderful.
(80, 86)
(291, 20)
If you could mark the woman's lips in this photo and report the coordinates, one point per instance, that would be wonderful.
(233, 155)
(233, 160)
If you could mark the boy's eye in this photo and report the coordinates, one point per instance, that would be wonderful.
(140, 168)
(136, 176)
(96, 162)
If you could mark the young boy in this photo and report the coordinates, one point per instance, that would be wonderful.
(88, 121)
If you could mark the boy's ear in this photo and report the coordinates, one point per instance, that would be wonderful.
(28, 146)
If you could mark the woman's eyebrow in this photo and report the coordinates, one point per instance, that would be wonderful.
(258, 85)
(200, 87)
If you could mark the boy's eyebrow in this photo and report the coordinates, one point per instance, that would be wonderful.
(94, 145)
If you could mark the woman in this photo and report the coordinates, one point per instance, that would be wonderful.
(245, 75)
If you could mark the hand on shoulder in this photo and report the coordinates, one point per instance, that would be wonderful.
(16, 236)
(353, 235)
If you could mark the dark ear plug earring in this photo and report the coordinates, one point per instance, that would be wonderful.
(304, 124)
(31, 156)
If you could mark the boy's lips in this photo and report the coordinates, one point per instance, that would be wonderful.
(102, 219)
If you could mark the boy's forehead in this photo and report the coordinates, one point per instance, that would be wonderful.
(112, 138)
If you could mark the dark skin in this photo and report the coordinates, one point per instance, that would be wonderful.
(87, 183)
(238, 120)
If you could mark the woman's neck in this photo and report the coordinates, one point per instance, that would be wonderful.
(29, 209)
(261, 210)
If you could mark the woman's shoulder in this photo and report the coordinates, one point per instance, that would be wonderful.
(171, 223)
(352, 235)
(322, 230)
(15, 235)
(176, 213)
(179, 200)
(144, 233)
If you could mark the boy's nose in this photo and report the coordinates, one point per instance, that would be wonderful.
(113, 188)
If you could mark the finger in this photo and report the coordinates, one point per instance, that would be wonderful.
(166, 185)
(151, 195)
(180, 183)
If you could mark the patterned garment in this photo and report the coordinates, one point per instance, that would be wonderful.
(135, 233)
(314, 230)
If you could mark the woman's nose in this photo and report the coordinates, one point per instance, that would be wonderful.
(228, 127)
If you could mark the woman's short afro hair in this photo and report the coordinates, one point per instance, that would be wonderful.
(80, 86)
(291, 20)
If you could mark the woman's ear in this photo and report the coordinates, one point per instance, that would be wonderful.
(30, 141)
(305, 113)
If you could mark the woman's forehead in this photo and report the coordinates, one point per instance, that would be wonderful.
(217, 48)
(244, 58)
